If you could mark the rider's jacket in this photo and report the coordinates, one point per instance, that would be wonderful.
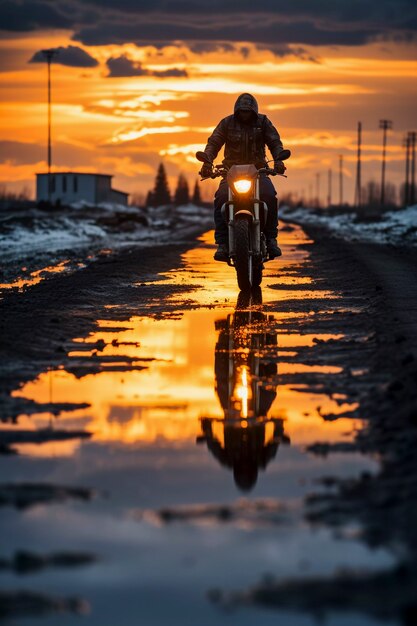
(244, 142)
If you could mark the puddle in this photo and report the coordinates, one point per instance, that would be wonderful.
(37, 276)
(198, 452)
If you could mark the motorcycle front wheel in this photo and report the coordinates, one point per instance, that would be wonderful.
(248, 269)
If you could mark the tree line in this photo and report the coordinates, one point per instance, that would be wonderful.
(160, 194)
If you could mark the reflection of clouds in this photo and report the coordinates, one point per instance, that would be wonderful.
(15, 604)
(243, 514)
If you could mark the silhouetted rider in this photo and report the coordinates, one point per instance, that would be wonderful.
(245, 135)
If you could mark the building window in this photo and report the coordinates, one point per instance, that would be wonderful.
(64, 184)
(75, 184)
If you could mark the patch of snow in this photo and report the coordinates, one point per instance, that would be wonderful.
(26, 236)
(395, 227)
(50, 235)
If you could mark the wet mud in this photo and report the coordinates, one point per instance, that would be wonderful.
(310, 383)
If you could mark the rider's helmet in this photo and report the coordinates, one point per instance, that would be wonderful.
(246, 102)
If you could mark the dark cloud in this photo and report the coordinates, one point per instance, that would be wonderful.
(173, 73)
(267, 34)
(301, 22)
(280, 50)
(21, 153)
(28, 16)
(124, 67)
(210, 46)
(70, 55)
(26, 153)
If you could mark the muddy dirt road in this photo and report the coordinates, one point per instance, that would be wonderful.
(174, 453)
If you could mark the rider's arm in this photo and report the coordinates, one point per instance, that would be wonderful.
(216, 140)
(272, 139)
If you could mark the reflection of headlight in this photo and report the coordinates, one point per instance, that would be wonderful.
(242, 186)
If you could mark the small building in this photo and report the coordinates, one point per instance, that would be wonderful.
(69, 187)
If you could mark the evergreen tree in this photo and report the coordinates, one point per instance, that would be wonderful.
(196, 194)
(149, 199)
(182, 192)
(161, 194)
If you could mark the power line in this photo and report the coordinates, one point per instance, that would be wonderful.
(385, 125)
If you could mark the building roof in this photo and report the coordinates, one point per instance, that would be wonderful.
(75, 174)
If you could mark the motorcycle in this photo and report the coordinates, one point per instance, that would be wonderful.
(246, 215)
(245, 439)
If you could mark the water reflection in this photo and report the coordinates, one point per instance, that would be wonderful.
(245, 439)
(166, 522)
(37, 276)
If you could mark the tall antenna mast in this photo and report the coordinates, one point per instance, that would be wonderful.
(49, 55)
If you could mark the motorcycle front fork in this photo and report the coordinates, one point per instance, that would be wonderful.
(258, 243)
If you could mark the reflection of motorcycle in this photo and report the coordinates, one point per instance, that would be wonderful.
(245, 439)
(245, 214)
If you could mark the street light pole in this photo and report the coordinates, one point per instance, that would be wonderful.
(318, 189)
(412, 140)
(358, 191)
(49, 55)
(385, 125)
(340, 179)
(407, 146)
(329, 188)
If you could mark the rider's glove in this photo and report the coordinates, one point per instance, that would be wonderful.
(206, 170)
(279, 167)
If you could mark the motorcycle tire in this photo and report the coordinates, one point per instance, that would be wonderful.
(257, 273)
(243, 258)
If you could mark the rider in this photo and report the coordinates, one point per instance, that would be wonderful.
(245, 134)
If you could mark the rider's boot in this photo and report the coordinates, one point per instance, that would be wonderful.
(273, 249)
(222, 253)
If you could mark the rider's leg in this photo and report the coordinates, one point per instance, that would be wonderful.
(221, 234)
(269, 195)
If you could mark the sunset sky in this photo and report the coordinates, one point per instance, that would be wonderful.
(137, 82)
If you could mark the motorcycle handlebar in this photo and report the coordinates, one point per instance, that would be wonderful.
(215, 174)
(267, 170)
(222, 171)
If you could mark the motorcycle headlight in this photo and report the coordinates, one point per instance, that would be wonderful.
(243, 185)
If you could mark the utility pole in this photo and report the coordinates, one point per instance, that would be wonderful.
(407, 146)
(49, 55)
(318, 189)
(412, 143)
(358, 190)
(385, 125)
(340, 179)
(329, 188)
